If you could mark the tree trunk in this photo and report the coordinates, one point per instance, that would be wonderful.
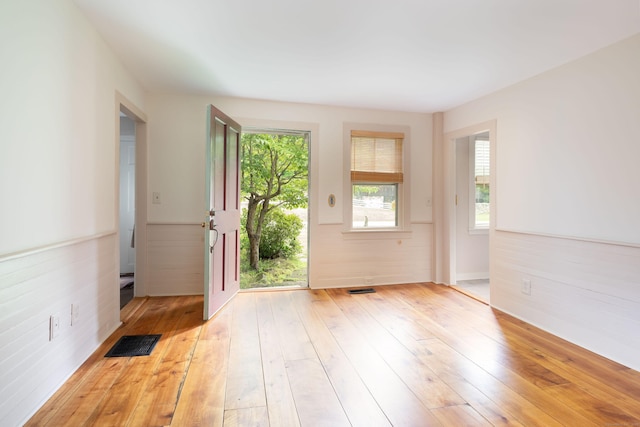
(254, 239)
(256, 213)
(254, 251)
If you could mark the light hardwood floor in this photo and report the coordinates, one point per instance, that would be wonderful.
(407, 355)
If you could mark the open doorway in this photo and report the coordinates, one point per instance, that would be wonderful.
(131, 192)
(275, 208)
(472, 214)
(127, 212)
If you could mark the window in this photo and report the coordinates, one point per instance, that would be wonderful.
(479, 189)
(376, 178)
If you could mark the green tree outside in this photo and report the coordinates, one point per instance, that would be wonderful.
(274, 175)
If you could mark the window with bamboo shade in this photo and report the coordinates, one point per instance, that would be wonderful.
(376, 174)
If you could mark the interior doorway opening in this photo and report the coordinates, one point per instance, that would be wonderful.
(127, 211)
(470, 209)
(131, 196)
(275, 186)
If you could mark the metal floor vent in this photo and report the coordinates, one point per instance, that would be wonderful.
(362, 291)
(134, 345)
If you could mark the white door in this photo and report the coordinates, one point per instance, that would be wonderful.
(127, 203)
(222, 218)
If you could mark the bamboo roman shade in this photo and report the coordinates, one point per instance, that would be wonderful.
(376, 157)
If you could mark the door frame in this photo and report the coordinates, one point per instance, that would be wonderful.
(129, 109)
(445, 259)
(308, 136)
(315, 201)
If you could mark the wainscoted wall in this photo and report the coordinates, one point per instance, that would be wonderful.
(175, 259)
(586, 292)
(357, 259)
(36, 285)
(175, 256)
(566, 165)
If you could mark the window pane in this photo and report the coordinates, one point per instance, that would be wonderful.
(375, 205)
(482, 183)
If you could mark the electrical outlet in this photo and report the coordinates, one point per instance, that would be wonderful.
(54, 327)
(75, 314)
(526, 286)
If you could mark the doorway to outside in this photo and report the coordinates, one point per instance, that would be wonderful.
(274, 197)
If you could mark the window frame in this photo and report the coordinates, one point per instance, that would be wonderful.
(402, 189)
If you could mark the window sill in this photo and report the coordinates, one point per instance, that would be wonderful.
(376, 234)
(478, 231)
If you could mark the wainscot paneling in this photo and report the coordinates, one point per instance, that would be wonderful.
(175, 259)
(44, 283)
(585, 292)
(371, 258)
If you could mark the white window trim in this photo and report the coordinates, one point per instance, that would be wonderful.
(403, 205)
(473, 228)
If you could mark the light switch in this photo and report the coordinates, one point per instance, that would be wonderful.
(156, 198)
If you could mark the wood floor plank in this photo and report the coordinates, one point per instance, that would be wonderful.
(316, 401)
(551, 359)
(459, 415)
(280, 404)
(125, 395)
(546, 360)
(487, 355)
(294, 340)
(358, 403)
(489, 396)
(158, 403)
(80, 408)
(401, 316)
(255, 417)
(397, 400)
(406, 355)
(245, 379)
(201, 401)
(371, 321)
(598, 411)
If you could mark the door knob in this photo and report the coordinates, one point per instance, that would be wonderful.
(203, 225)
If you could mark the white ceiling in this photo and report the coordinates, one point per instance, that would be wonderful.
(408, 55)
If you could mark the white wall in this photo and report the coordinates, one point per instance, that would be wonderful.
(176, 170)
(567, 208)
(58, 228)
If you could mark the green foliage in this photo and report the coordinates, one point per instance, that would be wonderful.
(273, 272)
(280, 233)
(364, 190)
(274, 168)
(482, 193)
(274, 174)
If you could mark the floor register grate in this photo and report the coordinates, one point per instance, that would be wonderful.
(134, 345)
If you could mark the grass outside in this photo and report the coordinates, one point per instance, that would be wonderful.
(273, 273)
